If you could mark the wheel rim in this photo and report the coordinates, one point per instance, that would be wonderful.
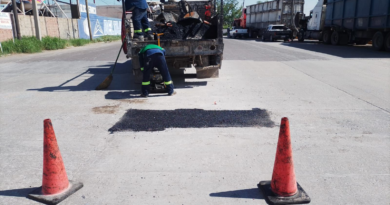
(379, 41)
(335, 38)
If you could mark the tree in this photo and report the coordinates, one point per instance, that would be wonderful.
(231, 10)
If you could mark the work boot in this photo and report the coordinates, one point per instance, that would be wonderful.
(150, 36)
(138, 37)
(170, 94)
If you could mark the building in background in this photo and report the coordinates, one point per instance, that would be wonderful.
(100, 25)
(113, 11)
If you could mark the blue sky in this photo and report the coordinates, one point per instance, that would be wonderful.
(309, 4)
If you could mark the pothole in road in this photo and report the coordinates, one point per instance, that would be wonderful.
(105, 109)
(114, 108)
(133, 101)
(158, 120)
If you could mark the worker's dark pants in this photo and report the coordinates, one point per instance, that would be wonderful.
(140, 21)
(156, 60)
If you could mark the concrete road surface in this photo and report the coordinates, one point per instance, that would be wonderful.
(215, 140)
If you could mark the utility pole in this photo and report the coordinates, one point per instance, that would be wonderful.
(36, 20)
(89, 22)
(16, 17)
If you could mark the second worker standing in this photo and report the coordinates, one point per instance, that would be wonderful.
(140, 19)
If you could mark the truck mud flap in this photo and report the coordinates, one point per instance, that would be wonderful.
(208, 71)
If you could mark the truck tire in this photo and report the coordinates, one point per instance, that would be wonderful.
(123, 34)
(335, 38)
(378, 41)
(263, 38)
(387, 42)
(326, 37)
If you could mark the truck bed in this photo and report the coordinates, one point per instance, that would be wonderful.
(358, 14)
(179, 48)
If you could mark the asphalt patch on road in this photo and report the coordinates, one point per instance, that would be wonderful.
(158, 120)
(105, 109)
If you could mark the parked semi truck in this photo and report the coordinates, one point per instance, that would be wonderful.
(205, 54)
(256, 18)
(341, 22)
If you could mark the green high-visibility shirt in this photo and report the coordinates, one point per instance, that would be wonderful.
(150, 46)
(148, 51)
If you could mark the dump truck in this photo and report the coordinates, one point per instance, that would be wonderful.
(194, 50)
(258, 17)
(342, 22)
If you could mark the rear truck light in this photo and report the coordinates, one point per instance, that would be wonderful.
(236, 31)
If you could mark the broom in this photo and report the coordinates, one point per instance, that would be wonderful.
(106, 82)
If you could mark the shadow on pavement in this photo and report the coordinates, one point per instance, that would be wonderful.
(123, 80)
(158, 120)
(17, 192)
(122, 77)
(348, 51)
(243, 193)
(179, 83)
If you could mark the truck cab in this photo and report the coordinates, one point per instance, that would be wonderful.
(313, 26)
(317, 17)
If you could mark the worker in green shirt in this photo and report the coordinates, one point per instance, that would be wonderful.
(153, 56)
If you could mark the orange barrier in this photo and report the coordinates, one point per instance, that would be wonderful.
(55, 184)
(283, 178)
(283, 189)
(54, 178)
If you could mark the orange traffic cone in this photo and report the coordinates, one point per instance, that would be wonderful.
(283, 189)
(55, 184)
